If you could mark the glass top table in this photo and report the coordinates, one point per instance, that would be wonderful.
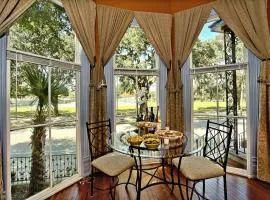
(169, 147)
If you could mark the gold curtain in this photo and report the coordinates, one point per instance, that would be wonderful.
(186, 28)
(82, 15)
(248, 20)
(112, 24)
(158, 28)
(10, 11)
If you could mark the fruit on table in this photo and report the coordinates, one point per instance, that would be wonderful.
(135, 140)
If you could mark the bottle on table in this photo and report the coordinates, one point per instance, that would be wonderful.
(146, 117)
(152, 115)
(156, 119)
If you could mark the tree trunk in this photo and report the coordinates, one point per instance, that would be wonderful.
(37, 179)
(55, 106)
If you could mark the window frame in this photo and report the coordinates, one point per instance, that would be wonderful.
(49, 63)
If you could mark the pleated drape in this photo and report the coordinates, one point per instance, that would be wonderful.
(10, 11)
(248, 20)
(158, 30)
(112, 24)
(82, 15)
(186, 28)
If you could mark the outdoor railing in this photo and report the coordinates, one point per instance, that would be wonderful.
(239, 136)
(64, 165)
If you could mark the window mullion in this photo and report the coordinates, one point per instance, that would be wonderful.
(50, 131)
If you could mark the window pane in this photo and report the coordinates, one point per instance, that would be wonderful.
(205, 94)
(126, 105)
(29, 95)
(136, 96)
(241, 92)
(203, 112)
(25, 162)
(64, 151)
(63, 98)
(221, 93)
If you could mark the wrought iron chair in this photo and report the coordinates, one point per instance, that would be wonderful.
(213, 162)
(103, 158)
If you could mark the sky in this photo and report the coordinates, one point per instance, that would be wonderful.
(206, 33)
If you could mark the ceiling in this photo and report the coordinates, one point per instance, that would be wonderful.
(163, 6)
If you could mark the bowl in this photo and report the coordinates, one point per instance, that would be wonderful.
(135, 140)
(151, 143)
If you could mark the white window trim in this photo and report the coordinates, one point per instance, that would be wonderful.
(68, 65)
(128, 71)
(187, 101)
(222, 68)
(4, 116)
(253, 112)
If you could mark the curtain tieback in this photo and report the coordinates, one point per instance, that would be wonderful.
(175, 90)
(266, 59)
(91, 85)
(101, 85)
(263, 81)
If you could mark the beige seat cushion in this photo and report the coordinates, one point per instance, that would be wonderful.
(198, 168)
(114, 163)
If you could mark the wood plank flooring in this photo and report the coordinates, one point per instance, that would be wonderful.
(239, 188)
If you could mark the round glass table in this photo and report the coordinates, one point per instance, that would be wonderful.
(170, 147)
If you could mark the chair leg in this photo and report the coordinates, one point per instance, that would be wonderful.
(203, 188)
(179, 185)
(187, 188)
(163, 169)
(138, 181)
(130, 172)
(111, 194)
(112, 190)
(193, 188)
(225, 187)
(172, 179)
(92, 183)
(139, 188)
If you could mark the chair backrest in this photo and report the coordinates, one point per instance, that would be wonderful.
(217, 142)
(99, 138)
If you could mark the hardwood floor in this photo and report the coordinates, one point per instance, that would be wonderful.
(239, 188)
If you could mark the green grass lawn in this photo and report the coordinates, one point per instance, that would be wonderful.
(29, 111)
(69, 109)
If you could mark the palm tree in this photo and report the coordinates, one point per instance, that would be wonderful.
(38, 87)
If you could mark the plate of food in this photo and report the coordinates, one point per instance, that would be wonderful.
(169, 133)
(135, 140)
(151, 143)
